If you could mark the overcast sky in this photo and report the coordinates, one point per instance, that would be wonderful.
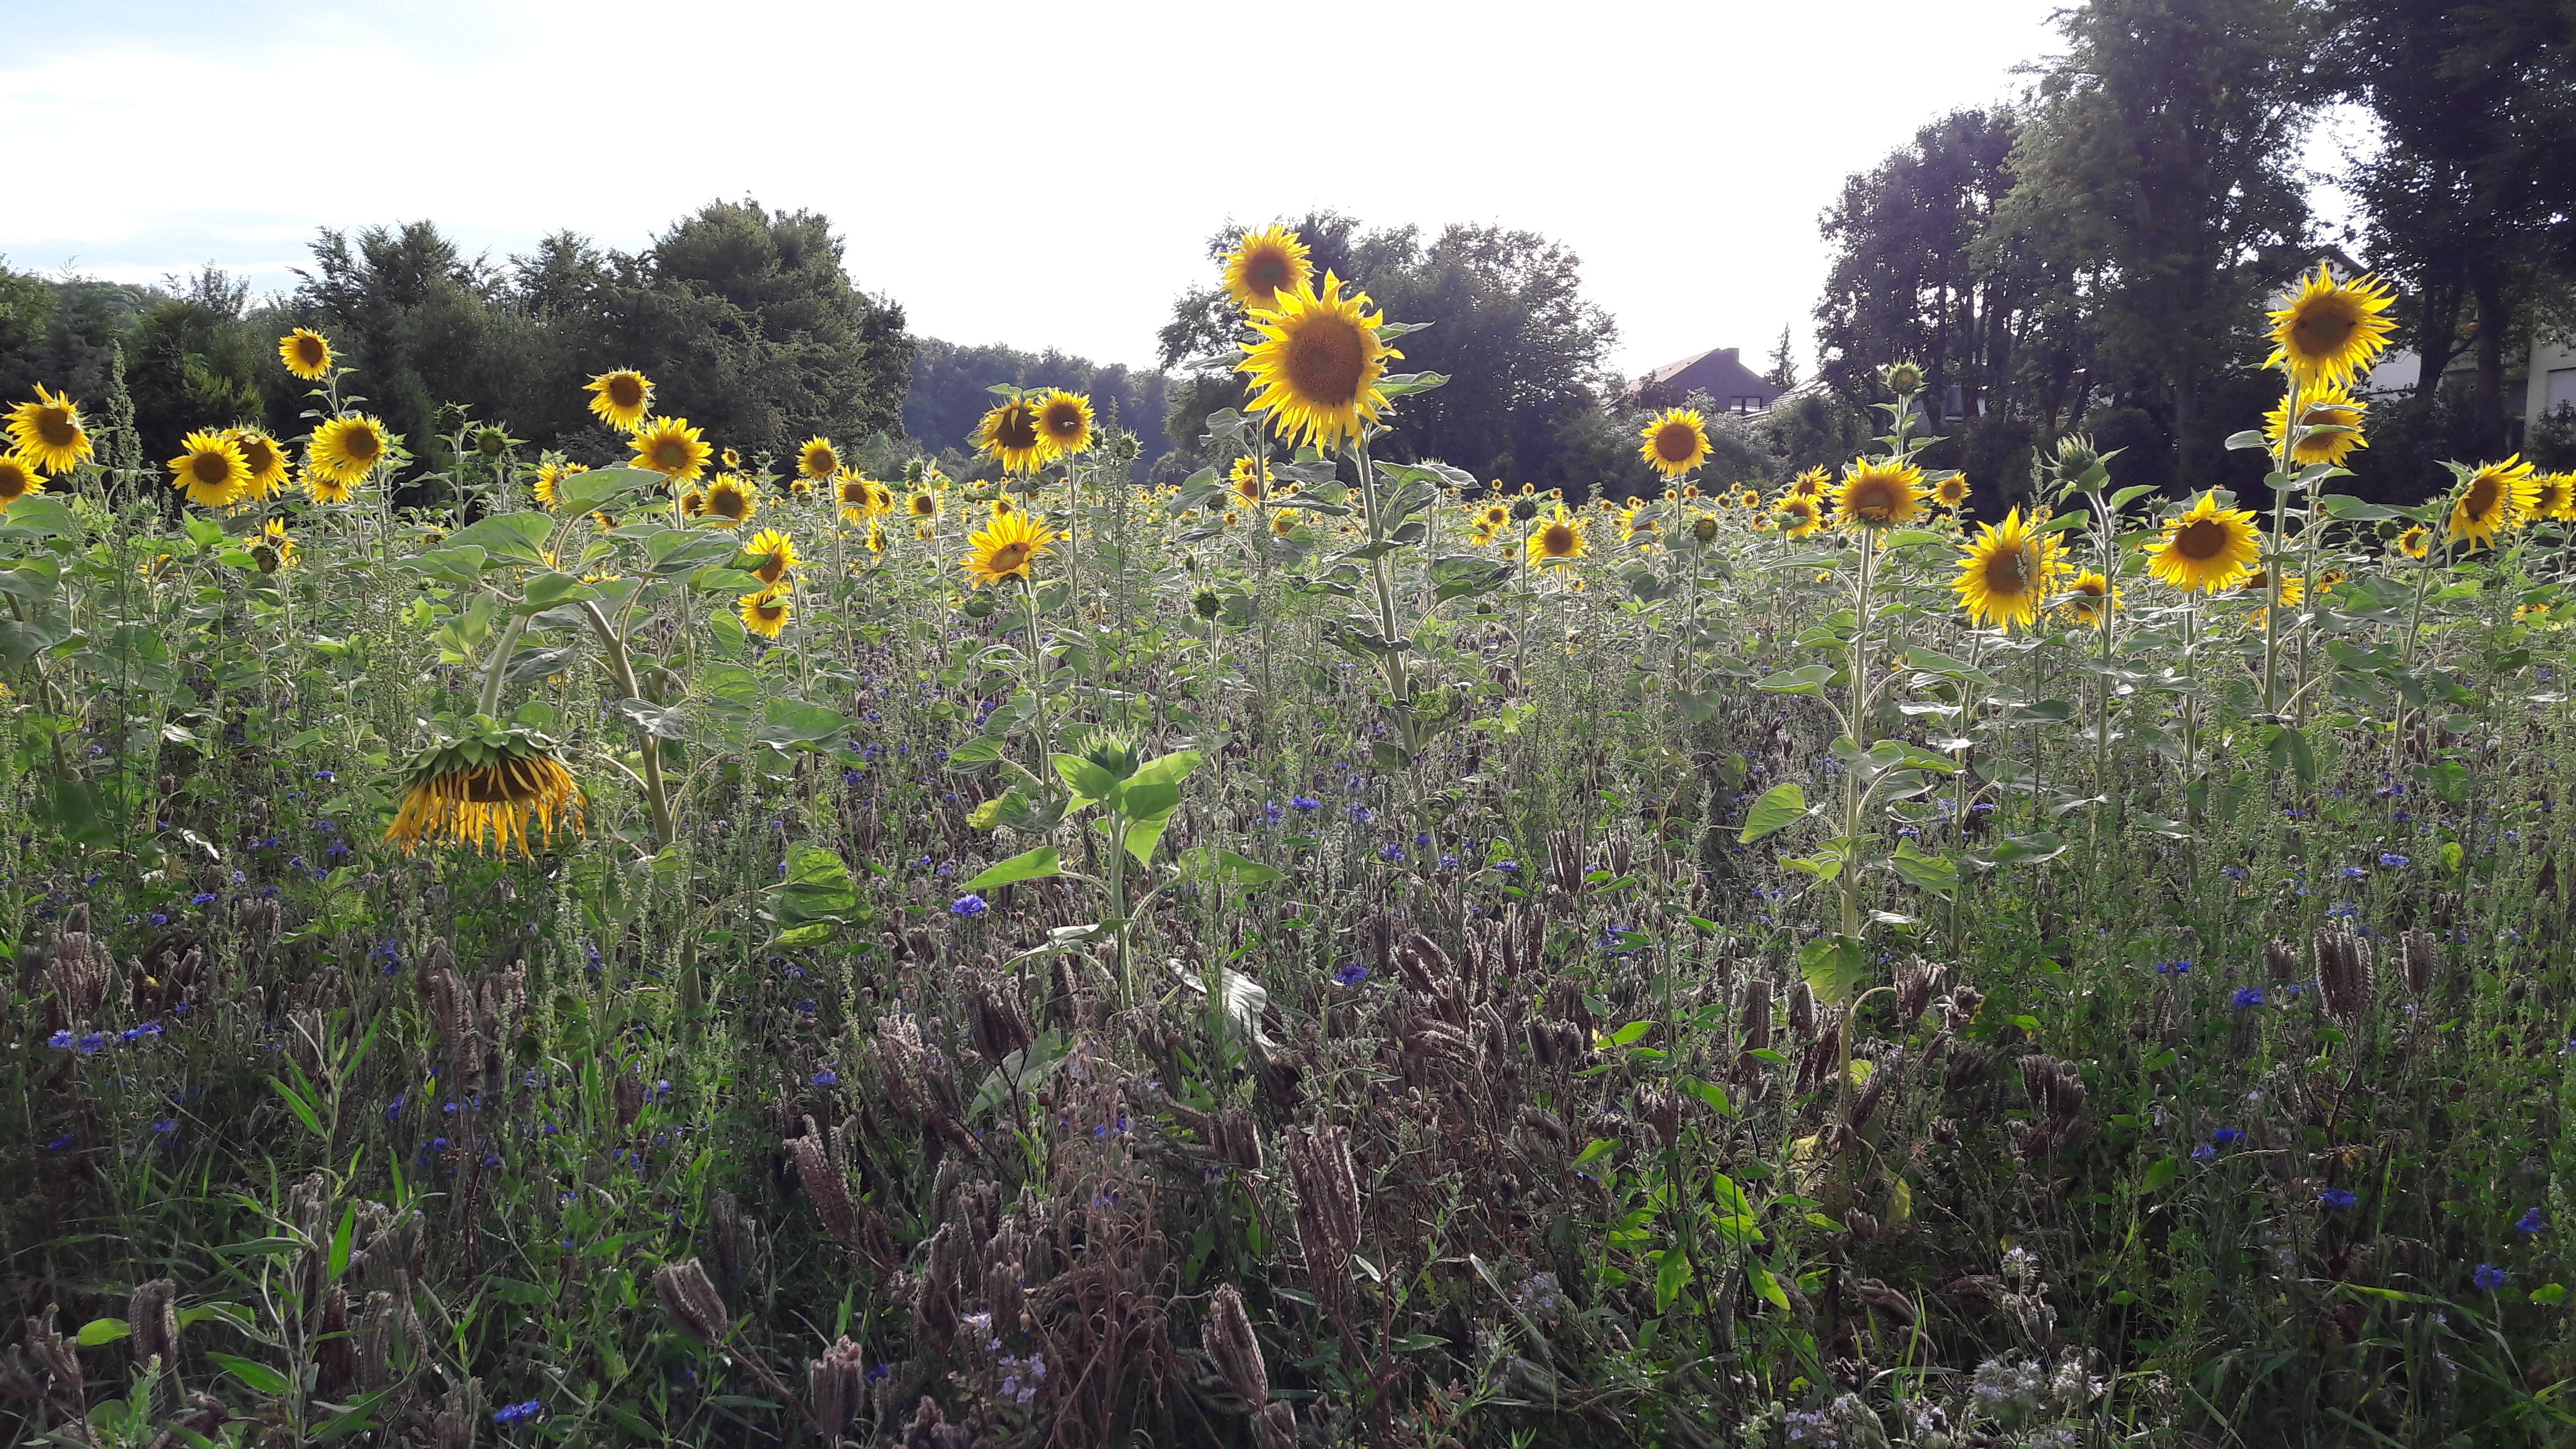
(1041, 175)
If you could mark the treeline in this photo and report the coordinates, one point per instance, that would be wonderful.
(2088, 259)
(951, 391)
(743, 317)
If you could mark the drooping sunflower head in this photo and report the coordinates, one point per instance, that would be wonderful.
(1010, 435)
(346, 450)
(766, 612)
(550, 476)
(2495, 498)
(693, 504)
(2330, 331)
(769, 556)
(731, 501)
(2329, 425)
(1006, 547)
(1317, 365)
(622, 399)
(2257, 584)
(2416, 541)
(273, 548)
(2554, 496)
(1952, 491)
(1264, 265)
(306, 353)
(1878, 494)
(503, 787)
(1674, 441)
(1064, 420)
(818, 459)
(2006, 573)
(921, 505)
(670, 447)
(2206, 548)
(1559, 539)
(2090, 597)
(210, 468)
(1799, 515)
(49, 431)
(321, 487)
(18, 478)
(266, 461)
(1813, 483)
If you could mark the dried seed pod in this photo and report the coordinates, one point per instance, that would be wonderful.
(1802, 1012)
(1237, 1354)
(2280, 961)
(2344, 975)
(1328, 1201)
(1885, 1301)
(1756, 1017)
(690, 1298)
(835, 1384)
(1237, 1139)
(335, 1351)
(828, 1188)
(153, 1313)
(1001, 1027)
(54, 1353)
(732, 1245)
(2419, 959)
(1916, 985)
(1275, 1427)
(1663, 1110)
(459, 1416)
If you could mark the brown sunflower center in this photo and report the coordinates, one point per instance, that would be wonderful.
(729, 503)
(770, 610)
(15, 480)
(311, 351)
(57, 427)
(211, 470)
(2324, 326)
(2008, 572)
(362, 444)
(1265, 271)
(1675, 443)
(2484, 493)
(1557, 539)
(2201, 540)
(772, 566)
(1016, 428)
(1872, 500)
(923, 505)
(821, 460)
(259, 454)
(1010, 558)
(626, 390)
(670, 453)
(1326, 357)
(1064, 420)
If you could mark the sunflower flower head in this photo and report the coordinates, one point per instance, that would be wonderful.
(345, 450)
(1006, 547)
(2206, 548)
(818, 459)
(2005, 574)
(2493, 499)
(1875, 494)
(306, 353)
(1316, 369)
(266, 461)
(1799, 514)
(1558, 539)
(2554, 496)
(550, 476)
(1674, 441)
(2330, 331)
(1264, 265)
(2329, 426)
(769, 556)
(273, 548)
(622, 399)
(1064, 421)
(670, 447)
(2416, 541)
(502, 786)
(1813, 483)
(766, 612)
(1952, 491)
(49, 432)
(2090, 598)
(211, 469)
(1010, 435)
(731, 501)
(19, 478)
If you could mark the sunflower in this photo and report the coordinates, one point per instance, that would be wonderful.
(731, 460)
(2554, 496)
(1064, 420)
(1748, 498)
(505, 787)
(49, 431)
(306, 353)
(1876, 494)
(2415, 542)
(818, 459)
(2006, 573)
(2206, 548)
(2327, 407)
(266, 461)
(210, 468)
(859, 497)
(1248, 480)
(323, 488)
(622, 399)
(2330, 331)
(1284, 523)
(693, 504)
(550, 476)
(766, 612)
(1005, 547)
(1318, 363)
(731, 502)
(2497, 497)
(1266, 265)
(1813, 483)
(670, 447)
(1558, 539)
(346, 450)
(2090, 597)
(273, 547)
(18, 479)
(1799, 515)
(1758, 522)
(1009, 434)
(921, 506)
(1675, 442)
(771, 554)
(1952, 491)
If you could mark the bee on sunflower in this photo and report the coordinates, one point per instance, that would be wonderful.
(2494, 498)
(2005, 575)
(1263, 265)
(1674, 441)
(1317, 366)
(48, 432)
(731, 501)
(1876, 494)
(1005, 548)
(211, 470)
(306, 353)
(622, 399)
(502, 786)
(1064, 422)
(2206, 548)
(19, 478)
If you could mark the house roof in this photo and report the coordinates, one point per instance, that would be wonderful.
(1720, 372)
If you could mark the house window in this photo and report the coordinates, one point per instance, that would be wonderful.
(1743, 406)
(2562, 390)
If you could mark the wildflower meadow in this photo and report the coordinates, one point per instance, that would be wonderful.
(703, 948)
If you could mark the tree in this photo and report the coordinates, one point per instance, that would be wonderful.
(1784, 363)
(190, 362)
(950, 390)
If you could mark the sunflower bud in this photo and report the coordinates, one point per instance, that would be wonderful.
(1704, 528)
(2075, 457)
(1205, 603)
(491, 442)
(1905, 379)
(1524, 509)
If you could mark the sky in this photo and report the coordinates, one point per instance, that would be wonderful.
(1037, 175)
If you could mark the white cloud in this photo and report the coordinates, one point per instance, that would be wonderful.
(1033, 174)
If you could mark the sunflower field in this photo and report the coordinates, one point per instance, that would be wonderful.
(734, 950)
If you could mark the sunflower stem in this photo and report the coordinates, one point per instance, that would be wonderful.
(657, 796)
(490, 703)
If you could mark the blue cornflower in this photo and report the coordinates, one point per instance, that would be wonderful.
(2534, 1221)
(91, 1043)
(1508, 867)
(1351, 974)
(1271, 814)
(2335, 1197)
(1305, 804)
(2246, 996)
(2488, 1277)
(2173, 968)
(60, 1144)
(1391, 852)
(2392, 860)
(968, 905)
(1361, 815)
(2354, 872)
(2204, 1153)
(2226, 1135)
(166, 1126)
(826, 1077)
(203, 899)
(60, 1041)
